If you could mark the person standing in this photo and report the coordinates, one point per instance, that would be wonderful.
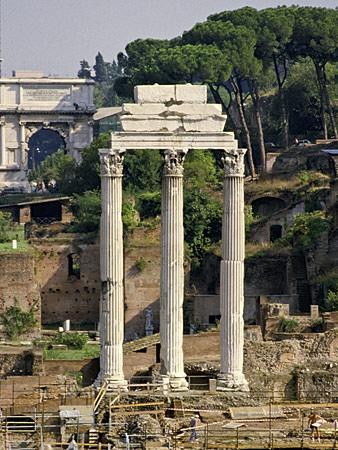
(315, 422)
(193, 425)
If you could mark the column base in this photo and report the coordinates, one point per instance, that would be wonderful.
(178, 384)
(173, 384)
(113, 384)
(232, 383)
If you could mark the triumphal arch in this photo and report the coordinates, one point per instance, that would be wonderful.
(173, 119)
(31, 105)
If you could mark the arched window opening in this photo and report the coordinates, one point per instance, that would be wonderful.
(275, 232)
(74, 265)
(42, 144)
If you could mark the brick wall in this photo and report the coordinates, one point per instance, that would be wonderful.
(65, 295)
(18, 285)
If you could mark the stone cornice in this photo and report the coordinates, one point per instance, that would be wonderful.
(176, 141)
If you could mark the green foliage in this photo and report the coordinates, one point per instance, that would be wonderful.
(140, 264)
(317, 325)
(149, 204)
(87, 211)
(6, 226)
(16, 321)
(89, 351)
(142, 170)
(202, 222)
(332, 300)
(306, 228)
(249, 218)
(200, 168)
(286, 325)
(129, 214)
(72, 340)
(329, 279)
(87, 173)
(57, 166)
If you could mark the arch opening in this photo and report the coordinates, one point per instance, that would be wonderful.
(41, 144)
(265, 206)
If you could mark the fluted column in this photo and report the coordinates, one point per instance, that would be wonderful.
(231, 375)
(22, 157)
(111, 268)
(3, 161)
(172, 271)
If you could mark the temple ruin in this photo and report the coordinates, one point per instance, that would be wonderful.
(173, 119)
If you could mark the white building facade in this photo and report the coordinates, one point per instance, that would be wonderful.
(28, 105)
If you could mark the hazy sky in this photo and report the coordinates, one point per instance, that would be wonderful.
(54, 35)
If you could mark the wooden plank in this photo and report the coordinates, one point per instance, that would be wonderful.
(137, 405)
(136, 413)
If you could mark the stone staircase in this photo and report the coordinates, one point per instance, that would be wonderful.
(139, 344)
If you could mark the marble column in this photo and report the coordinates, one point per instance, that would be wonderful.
(172, 271)
(22, 157)
(111, 268)
(3, 162)
(231, 375)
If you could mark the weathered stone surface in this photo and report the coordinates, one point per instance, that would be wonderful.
(111, 271)
(29, 104)
(144, 109)
(232, 275)
(170, 93)
(173, 123)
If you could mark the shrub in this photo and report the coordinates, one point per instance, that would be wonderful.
(87, 210)
(317, 326)
(71, 340)
(306, 228)
(129, 214)
(332, 300)
(57, 166)
(288, 325)
(141, 264)
(16, 321)
(6, 226)
(149, 204)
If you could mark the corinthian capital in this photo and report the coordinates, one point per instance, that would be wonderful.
(173, 161)
(111, 162)
(233, 161)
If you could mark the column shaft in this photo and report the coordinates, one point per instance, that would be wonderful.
(23, 146)
(232, 276)
(111, 268)
(3, 161)
(172, 271)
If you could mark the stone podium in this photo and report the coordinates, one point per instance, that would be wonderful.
(173, 119)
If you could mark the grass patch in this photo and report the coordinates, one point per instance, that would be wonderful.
(255, 249)
(278, 184)
(87, 352)
(22, 244)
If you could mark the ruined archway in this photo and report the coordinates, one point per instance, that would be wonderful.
(265, 206)
(41, 144)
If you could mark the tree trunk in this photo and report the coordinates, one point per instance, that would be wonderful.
(256, 105)
(284, 114)
(218, 99)
(328, 104)
(239, 103)
(322, 99)
(285, 118)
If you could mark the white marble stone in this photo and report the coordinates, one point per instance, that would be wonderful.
(152, 109)
(165, 140)
(172, 271)
(231, 375)
(156, 93)
(111, 270)
(64, 105)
